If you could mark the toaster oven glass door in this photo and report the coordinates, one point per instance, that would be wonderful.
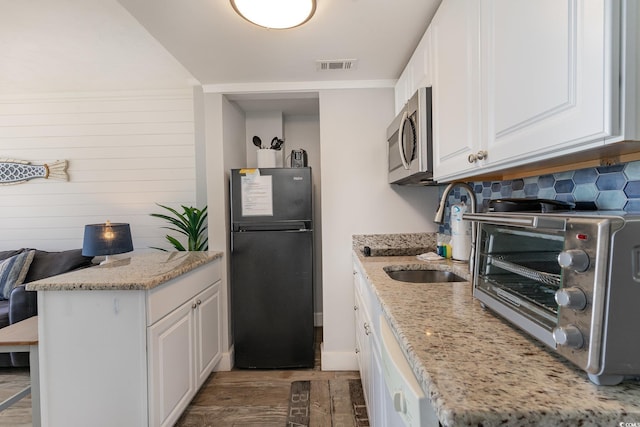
(520, 268)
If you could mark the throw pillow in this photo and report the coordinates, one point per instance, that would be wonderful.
(13, 271)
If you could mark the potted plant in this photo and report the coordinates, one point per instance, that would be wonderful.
(191, 222)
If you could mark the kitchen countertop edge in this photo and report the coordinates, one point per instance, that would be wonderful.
(137, 271)
(456, 407)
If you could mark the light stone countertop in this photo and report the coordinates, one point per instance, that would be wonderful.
(135, 271)
(478, 370)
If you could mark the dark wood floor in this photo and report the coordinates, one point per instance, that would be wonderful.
(236, 398)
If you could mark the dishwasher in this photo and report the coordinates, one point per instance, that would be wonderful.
(408, 398)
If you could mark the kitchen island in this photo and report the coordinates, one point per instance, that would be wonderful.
(129, 342)
(476, 369)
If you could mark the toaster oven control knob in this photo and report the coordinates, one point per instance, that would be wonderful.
(568, 336)
(574, 259)
(572, 298)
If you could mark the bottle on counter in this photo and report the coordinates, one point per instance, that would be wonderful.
(460, 233)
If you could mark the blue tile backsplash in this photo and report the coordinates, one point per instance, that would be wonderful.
(609, 187)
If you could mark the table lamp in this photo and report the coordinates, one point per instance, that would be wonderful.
(106, 239)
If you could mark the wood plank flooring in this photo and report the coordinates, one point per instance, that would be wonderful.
(239, 398)
(261, 398)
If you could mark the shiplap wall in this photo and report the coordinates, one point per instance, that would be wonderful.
(126, 152)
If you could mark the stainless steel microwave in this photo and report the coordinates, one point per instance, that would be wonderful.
(410, 142)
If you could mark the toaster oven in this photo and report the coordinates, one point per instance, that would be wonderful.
(571, 280)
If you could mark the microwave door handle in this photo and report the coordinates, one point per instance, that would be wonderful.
(403, 120)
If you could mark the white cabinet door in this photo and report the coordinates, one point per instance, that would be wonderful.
(456, 87)
(548, 77)
(207, 332)
(171, 365)
(184, 347)
(363, 348)
(420, 64)
(401, 91)
(416, 74)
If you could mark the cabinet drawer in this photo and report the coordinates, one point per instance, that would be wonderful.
(167, 297)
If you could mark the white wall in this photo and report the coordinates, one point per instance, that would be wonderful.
(266, 125)
(126, 152)
(224, 139)
(356, 199)
(304, 132)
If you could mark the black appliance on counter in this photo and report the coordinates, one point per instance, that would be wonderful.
(272, 267)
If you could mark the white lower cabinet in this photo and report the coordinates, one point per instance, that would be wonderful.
(128, 357)
(367, 311)
(208, 336)
(384, 406)
(184, 346)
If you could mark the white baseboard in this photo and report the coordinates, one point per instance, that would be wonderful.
(338, 360)
(226, 362)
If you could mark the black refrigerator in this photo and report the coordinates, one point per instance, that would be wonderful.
(272, 267)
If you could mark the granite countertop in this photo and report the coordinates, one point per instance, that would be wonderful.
(137, 271)
(478, 370)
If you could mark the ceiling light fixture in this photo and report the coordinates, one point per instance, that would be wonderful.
(275, 14)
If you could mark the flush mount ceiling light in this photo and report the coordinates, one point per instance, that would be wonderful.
(276, 14)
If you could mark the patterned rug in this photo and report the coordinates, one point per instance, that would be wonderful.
(304, 412)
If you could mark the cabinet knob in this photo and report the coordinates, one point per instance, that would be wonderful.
(355, 308)
(357, 351)
(193, 305)
(367, 329)
(198, 302)
(480, 155)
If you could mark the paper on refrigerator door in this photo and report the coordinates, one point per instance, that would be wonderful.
(257, 195)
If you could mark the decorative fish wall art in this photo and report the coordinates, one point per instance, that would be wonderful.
(18, 171)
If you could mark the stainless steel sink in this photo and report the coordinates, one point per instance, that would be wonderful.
(424, 276)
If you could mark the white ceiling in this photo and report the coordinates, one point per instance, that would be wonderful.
(78, 46)
(89, 45)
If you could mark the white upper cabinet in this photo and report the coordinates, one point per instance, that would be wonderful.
(548, 79)
(416, 74)
(516, 81)
(456, 88)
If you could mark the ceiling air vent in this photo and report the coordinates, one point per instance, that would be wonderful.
(336, 64)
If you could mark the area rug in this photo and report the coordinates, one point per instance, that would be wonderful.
(357, 402)
(333, 406)
(299, 404)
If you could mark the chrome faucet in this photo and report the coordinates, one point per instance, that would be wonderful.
(472, 196)
(439, 218)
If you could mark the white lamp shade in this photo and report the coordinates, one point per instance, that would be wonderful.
(277, 14)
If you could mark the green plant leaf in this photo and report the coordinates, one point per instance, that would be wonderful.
(190, 223)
